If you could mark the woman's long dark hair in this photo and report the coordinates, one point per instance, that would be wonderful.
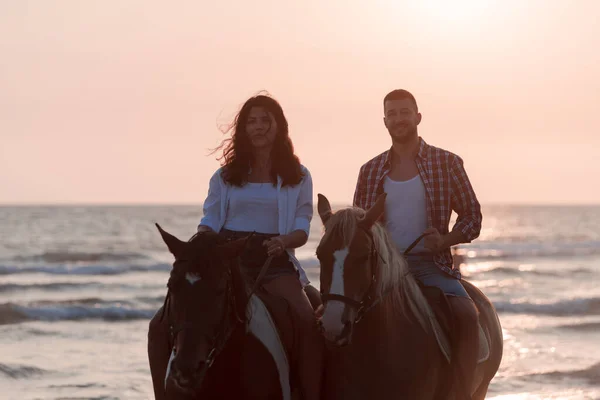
(237, 149)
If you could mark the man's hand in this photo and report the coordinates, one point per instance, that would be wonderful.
(434, 241)
(320, 311)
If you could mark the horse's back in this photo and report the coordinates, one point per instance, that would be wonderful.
(488, 318)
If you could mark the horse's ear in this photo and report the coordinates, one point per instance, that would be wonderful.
(375, 212)
(324, 208)
(233, 249)
(175, 245)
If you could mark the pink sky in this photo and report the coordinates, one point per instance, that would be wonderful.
(119, 102)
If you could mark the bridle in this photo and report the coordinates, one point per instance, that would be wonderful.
(230, 318)
(369, 299)
(229, 322)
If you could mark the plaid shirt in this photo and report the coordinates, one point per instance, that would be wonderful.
(447, 188)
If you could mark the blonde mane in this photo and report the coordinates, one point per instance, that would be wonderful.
(394, 280)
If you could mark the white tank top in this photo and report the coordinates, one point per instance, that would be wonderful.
(406, 212)
(253, 208)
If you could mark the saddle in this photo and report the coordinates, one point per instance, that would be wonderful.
(445, 329)
(280, 311)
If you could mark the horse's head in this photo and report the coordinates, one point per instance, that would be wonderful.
(349, 263)
(202, 305)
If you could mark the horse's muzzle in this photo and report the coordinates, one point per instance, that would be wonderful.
(341, 340)
(187, 379)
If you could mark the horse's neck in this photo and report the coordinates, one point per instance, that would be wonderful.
(383, 341)
(381, 325)
(413, 302)
(389, 321)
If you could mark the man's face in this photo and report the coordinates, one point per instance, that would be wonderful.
(401, 119)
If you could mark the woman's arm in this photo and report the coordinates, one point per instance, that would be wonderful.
(212, 205)
(301, 228)
(293, 240)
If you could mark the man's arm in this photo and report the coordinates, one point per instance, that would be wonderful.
(465, 203)
(435, 241)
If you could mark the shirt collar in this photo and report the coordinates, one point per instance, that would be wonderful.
(421, 153)
(423, 149)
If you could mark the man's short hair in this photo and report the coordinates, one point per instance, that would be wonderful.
(400, 94)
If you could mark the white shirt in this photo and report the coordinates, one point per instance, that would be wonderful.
(253, 208)
(294, 209)
(406, 211)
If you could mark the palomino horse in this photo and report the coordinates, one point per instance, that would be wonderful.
(223, 342)
(392, 352)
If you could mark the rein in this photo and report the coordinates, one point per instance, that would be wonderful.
(261, 275)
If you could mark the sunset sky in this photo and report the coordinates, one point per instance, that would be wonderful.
(119, 101)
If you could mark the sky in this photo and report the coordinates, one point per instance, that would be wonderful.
(120, 101)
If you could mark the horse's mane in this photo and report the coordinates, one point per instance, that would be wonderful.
(394, 280)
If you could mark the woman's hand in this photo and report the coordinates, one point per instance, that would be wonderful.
(275, 246)
(204, 228)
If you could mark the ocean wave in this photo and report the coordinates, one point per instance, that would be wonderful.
(590, 374)
(54, 286)
(583, 327)
(20, 371)
(589, 306)
(516, 271)
(67, 286)
(95, 301)
(79, 386)
(58, 257)
(479, 252)
(73, 311)
(83, 269)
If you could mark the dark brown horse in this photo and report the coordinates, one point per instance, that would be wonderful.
(378, 322)
(217, 353)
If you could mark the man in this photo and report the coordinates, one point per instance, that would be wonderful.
(423, 185)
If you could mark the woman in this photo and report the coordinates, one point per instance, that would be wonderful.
(263, 189)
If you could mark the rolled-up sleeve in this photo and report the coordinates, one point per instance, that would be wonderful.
(304, 207)
(464, 202)
(212, 205)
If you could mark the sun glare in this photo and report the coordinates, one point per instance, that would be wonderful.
(452, 19)
(458, 11)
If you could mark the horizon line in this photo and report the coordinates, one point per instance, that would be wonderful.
(187, 204)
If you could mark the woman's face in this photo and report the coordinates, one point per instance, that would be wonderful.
(261, 128)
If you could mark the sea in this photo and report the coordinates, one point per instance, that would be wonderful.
(78, 285)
